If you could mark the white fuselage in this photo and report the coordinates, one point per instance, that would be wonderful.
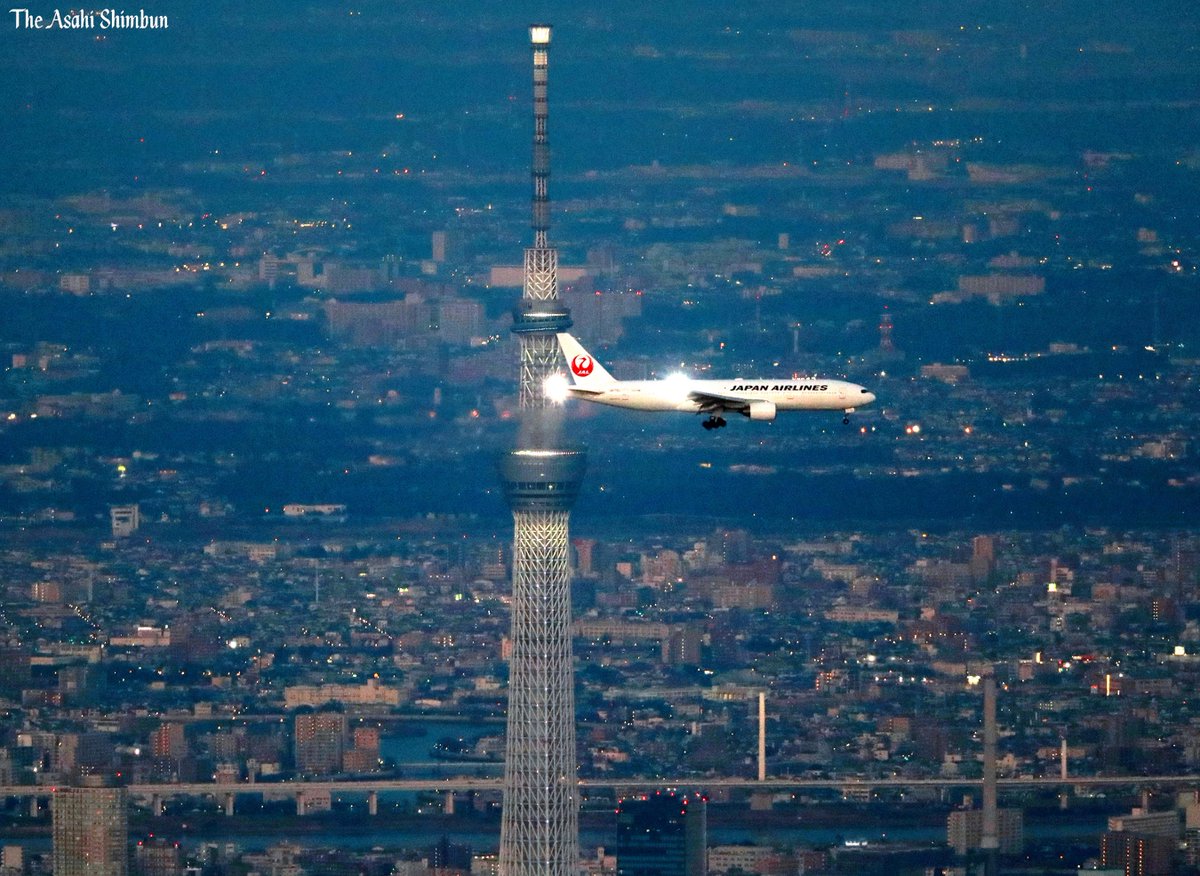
(757, 398)
(695, 396)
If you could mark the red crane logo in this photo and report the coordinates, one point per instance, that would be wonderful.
(581, 366)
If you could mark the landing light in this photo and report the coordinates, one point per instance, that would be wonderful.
(556, 388)
(677, 384)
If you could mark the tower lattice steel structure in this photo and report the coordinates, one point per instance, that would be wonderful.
(539, 828)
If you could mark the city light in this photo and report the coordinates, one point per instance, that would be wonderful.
(317, 315)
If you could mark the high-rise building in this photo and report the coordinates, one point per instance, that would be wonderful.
(89, 752)
(1191, 846)
(157, 857)
(663, 834)
(886, 344)
(983, 557)
(16, 668)
(539, 827)
(1138, 854)
(82, 685)
(169, 741)
(447, 857)
(585, 553)
(90, 830)
(125, 520)
(460, 320)
(320, 741)
(682, 645)
(964, 831)
(363, 754)
(1146, 823)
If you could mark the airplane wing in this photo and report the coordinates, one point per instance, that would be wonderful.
(714, 403)
(712, 400)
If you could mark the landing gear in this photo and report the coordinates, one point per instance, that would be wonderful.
(714, 422)
(846, 419)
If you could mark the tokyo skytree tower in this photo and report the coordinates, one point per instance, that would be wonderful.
(539, 828)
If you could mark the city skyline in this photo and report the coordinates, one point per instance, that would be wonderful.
(256, 286)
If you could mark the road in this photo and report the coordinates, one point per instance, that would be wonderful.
(474, 783)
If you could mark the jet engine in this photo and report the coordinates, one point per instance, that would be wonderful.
(762, 410)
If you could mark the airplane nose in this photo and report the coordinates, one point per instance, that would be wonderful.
(868, 397)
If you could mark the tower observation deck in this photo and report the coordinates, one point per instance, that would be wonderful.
(539, 826)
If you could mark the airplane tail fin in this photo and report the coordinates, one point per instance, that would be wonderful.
(586, 372)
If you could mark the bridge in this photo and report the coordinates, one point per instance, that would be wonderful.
(305, 792)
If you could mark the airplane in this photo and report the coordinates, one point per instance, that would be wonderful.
(758, 399)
